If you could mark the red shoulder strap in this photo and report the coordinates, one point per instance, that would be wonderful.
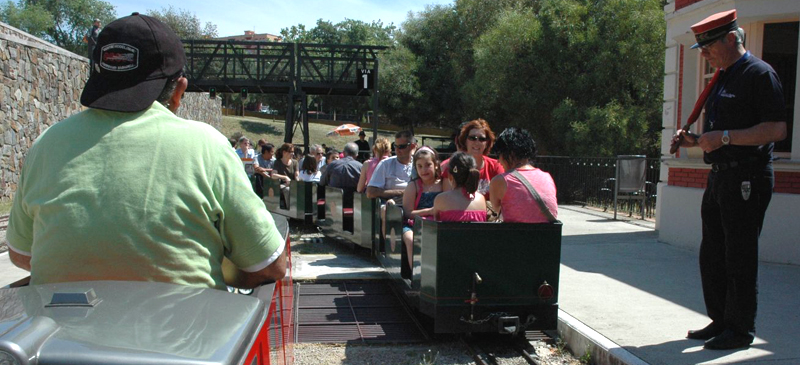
(419, 193)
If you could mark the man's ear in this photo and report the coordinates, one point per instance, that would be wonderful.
(175, 100)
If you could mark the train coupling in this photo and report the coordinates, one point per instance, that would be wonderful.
(508, 325)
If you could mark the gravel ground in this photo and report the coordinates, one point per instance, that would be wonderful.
(441, 353)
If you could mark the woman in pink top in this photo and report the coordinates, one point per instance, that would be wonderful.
(380, 151)
(516, 148)
(463, 203)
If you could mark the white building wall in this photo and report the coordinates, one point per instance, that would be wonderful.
(678, 208)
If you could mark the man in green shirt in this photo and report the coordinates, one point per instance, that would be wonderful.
(126, 190)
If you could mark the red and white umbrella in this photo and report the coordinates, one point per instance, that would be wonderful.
(345, 130)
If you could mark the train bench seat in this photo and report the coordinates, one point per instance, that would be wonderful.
(301, 199)
(349, 216)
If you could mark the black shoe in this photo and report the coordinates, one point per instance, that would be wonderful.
(706, 333)
(729, 340)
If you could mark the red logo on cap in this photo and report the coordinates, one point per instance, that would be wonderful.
(119, 57)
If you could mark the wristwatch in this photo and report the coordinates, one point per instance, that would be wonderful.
(726, 139)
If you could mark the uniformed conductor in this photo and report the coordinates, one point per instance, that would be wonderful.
(744, 114)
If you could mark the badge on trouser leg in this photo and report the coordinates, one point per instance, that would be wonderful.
(745, 190)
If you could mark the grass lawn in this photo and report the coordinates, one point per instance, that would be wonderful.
(273, 131)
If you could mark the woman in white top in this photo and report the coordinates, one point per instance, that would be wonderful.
(309, 172)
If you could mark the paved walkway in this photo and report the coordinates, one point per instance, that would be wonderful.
(644, 295)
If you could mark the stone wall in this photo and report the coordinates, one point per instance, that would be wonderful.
(197, 106)
(41, 84)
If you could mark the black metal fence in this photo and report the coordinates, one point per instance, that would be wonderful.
(590, 181)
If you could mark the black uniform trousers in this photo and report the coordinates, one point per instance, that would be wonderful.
(729, 250)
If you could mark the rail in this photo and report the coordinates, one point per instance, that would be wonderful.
(590, 181)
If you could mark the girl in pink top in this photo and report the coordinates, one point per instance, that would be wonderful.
(380, 151)
(509, 195)
(462, 204)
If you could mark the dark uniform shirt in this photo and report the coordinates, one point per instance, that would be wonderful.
(746, 94)
(363, 149)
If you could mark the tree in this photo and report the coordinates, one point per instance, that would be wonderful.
(69, 19)
(583, 76)
(33, 19)
(185, 23)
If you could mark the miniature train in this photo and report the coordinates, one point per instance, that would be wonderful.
(115, 322)
(463, 277)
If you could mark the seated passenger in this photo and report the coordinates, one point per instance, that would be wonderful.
(476, 138)
(171, 219)
(343, 173)
(309, 172)
(509, 195)
(420, 193)
(461, 204)
(244, 150)
(266, 160)
(330, 156)
(380, 151)
(285, 170)
(391, 176)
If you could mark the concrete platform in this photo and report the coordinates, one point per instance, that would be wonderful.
(8, 272)
(336, 267)
(636, 296)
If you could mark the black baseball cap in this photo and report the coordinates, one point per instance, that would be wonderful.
(134, 58)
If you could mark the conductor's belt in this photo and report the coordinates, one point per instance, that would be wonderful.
(722, 166)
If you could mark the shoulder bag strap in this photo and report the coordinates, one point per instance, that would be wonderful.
(539, 201)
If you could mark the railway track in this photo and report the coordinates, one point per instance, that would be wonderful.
(494, 352)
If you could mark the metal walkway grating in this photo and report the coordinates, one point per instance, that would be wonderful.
(365, 312)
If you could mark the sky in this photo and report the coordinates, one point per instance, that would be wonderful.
(233, 17)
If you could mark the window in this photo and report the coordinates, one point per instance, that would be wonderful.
(780, 51)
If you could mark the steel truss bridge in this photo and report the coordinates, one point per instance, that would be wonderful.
(294, 69)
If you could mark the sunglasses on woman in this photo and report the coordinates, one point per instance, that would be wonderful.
(476, 138)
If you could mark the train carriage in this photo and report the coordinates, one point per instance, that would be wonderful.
(115, 322)
(477, 277)
(350, 217)
(302, 199)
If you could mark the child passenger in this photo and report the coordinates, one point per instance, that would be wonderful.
(461, 204)
(308, 171)
(420, 193)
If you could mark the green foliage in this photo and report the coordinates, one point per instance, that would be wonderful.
(184, 23)
(567, 70)
(33, 19)
(348, 31)
(62, 22)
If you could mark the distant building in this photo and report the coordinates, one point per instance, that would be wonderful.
(250, 35)
(771, 28)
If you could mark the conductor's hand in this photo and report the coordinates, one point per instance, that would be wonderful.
(688, 139)
(710, 141)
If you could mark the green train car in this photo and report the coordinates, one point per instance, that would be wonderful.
(477, 277)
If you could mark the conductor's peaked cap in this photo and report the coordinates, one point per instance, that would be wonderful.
(714, 27)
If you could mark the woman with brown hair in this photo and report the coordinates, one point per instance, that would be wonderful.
(285, 170)
(381, 150)
(476, 139)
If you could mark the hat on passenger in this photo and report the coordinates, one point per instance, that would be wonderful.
(362, 133)
(714, 27)
(134, 58)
